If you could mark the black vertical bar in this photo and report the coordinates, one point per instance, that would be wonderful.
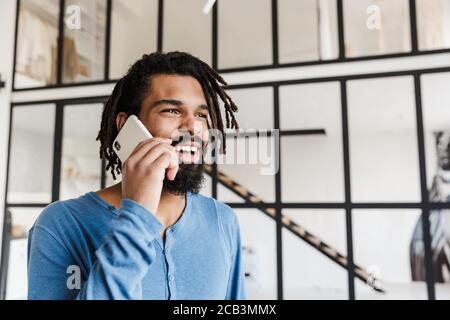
(424, 189)
(215, 34)
(160, 25)
(275, 32)
(103, 174)
(108, 38)
(6, 237)
(59, 69)
(276, 121)
(214, 179)
(57, 150)
(16, 32)
(103, 166)
(347, 185)
(6, 242)
(341, 31)
(413, 22)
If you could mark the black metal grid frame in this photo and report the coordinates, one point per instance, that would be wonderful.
(424, 205)
(348, 205)
(215, 25)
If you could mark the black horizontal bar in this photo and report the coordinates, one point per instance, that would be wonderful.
(67, 85)
(305, 132)
(98, 99)
(26, 205)
(268, 132)
(302, 205)
(341, 78)
(287, 82)
(339, 205)
(340, 60)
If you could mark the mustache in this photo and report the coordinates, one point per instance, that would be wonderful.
(187, 138)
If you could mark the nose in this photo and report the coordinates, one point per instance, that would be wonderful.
(191, 125)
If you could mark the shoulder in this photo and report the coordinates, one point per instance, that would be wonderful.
(63, 216)
(53, 213)
(226, 216)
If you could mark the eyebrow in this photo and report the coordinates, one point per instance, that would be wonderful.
(175, 102)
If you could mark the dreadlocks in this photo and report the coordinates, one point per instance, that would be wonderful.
(131, 90)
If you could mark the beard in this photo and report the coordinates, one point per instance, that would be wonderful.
(189, 178)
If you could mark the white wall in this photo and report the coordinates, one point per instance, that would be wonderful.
(7, 25)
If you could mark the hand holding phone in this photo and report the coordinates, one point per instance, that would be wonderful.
(145, 163)
(132, 133)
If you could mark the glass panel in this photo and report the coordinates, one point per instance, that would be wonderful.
(258, 253)
(238, 164)
(307, 30)
(433, 24)
(435, 101)
(312, 165)
(244, 33)
(255, 107)
(253, 174)
(206, 189)
(309, 273)
(436, 118)
(383, 140)
(31, 154)
(374, 27)
(226, 195)
(22, 220)
(138, 18)
(385, 243)
(16, 283)
(186, 28)
(36, 43)
(84, 41)
(81, 164)
(440, 251)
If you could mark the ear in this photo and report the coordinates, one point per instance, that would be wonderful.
(121, 118)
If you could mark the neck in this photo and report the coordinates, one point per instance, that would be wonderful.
(170, 206)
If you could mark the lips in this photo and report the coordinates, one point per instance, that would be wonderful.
(189, 148)
(186, 148)
(189, 153)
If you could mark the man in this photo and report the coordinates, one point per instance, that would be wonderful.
(151, 236)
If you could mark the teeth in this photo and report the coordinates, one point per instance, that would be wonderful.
(186, 148)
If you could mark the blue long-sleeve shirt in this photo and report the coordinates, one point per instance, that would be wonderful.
(120, 254)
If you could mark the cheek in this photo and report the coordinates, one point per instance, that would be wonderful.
(161, 127)
(204, 133)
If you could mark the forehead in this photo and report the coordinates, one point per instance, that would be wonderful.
(178, 87)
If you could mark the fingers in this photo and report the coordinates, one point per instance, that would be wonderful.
(169, 160)
(155, 152)
(164, 162)
(142, 148)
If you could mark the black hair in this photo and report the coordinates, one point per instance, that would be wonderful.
(130, 91)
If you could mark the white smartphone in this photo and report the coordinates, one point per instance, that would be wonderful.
(131, 134)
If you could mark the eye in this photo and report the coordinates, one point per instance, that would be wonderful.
(201, 115)
(172, 111)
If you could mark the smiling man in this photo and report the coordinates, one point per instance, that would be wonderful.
(150, 236)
